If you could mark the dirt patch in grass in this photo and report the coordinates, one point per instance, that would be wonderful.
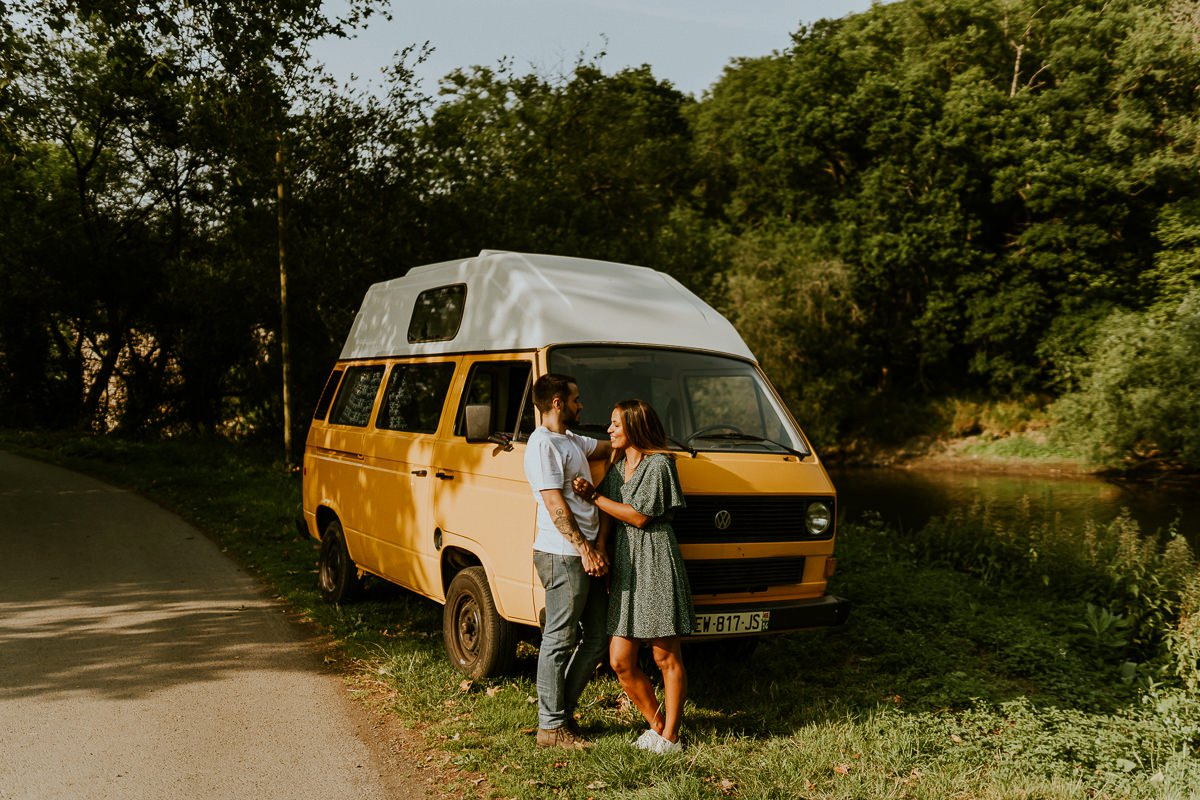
(414, 769)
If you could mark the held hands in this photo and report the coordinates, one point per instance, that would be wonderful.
(583, 487)
(595, 561)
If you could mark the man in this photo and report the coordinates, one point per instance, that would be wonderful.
(570, 560)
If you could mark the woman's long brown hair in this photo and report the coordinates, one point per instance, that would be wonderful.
(643, 428)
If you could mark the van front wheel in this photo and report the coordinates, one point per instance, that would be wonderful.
(478, 640)
(337, 574)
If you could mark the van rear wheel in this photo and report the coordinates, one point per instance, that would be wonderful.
(478, 640)
(337, 574)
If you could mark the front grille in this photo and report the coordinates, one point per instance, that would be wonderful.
(753, 518)
(722, 576)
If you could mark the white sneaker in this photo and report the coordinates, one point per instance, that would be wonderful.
(663, 746)
(647, 740)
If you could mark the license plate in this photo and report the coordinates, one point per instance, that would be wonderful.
(740, 622)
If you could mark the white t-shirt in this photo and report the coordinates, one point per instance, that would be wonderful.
(552, 461)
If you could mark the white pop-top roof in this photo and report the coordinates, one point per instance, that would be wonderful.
(522, 301)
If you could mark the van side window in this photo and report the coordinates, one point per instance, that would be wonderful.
(503, 385)
(356, 396)
(414, 397)
(327, 395)
(437, 314)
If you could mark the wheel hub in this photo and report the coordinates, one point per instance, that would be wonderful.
(468, 626)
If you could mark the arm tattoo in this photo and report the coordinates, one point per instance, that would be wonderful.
(568, 527)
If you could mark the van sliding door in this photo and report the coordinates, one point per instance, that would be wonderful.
(399, 475)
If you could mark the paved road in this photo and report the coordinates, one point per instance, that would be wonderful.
(136, 661)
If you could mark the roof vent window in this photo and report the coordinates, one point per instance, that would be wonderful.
(437, 314)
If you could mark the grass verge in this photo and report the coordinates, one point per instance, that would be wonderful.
(945, 683)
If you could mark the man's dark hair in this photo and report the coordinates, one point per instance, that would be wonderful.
(550, 386)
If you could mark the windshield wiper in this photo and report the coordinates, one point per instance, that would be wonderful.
(691, 450)
(749, 437)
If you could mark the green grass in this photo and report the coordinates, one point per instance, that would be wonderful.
(1018, 428)
(1033, 445)
(943, 684)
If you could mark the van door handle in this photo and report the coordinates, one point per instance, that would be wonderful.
(420, 473)
(444, 476)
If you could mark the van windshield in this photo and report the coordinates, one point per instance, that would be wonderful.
(706, 401)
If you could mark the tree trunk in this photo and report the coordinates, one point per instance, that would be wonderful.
(283, 307)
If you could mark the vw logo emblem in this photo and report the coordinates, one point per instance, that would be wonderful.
(723, 520)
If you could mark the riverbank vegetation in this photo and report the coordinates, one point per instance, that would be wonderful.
(928, 201)
(981, 660)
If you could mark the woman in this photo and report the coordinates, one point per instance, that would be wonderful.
(651, 601)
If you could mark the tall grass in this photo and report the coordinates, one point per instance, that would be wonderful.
(1141, 591)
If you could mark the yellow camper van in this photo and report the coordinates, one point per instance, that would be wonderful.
(413, 463)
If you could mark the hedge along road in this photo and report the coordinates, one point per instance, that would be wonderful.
(136, 661)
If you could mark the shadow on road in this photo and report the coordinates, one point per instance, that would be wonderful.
(131, 639)
(104, 592)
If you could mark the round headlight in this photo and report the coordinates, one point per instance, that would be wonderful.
(818, 519)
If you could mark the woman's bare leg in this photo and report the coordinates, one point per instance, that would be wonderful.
(669, 657)
(623, 654)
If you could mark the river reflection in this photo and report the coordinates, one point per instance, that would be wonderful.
(907, 499)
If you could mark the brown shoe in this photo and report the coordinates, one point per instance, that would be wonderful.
(561, 737)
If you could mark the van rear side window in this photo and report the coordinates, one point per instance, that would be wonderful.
(356, 396)
(414, 397)
(437, 314)
(327, 395)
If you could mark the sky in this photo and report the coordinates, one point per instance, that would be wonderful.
(688, 42)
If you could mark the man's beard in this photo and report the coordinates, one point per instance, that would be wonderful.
(570, 417)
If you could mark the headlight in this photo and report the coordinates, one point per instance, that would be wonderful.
(818, 519)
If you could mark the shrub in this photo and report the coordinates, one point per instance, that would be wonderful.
(1184, 640)
(993, 418)
(1136, 399)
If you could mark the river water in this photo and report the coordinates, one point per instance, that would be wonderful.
(908, 498)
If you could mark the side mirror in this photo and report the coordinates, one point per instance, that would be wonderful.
(479, 422)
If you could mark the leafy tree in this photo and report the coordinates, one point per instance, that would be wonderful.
(929, 198)
(150, 139)
(91, 265)
(796, 311)
(592, 164)
(1177, 264)
(1136, 399)
(357, 214)
(991, 175)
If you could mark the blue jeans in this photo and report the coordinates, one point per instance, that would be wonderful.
(573, 599)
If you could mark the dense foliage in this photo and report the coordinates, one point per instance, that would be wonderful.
(931, 199)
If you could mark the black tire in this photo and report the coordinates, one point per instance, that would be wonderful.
(337, 574)
(478, 640)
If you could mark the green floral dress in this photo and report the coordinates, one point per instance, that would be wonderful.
(651, 598)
